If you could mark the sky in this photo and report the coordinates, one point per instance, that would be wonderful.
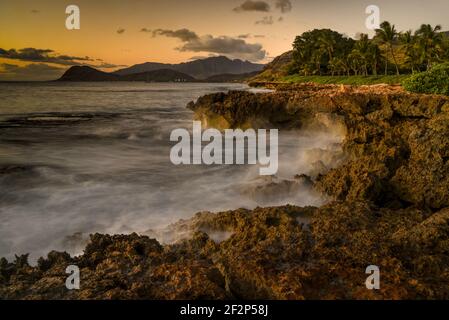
(36, 45)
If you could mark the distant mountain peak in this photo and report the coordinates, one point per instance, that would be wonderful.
(199, 68)
(85, 73)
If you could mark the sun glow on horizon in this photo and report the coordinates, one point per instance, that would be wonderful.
(122, 33)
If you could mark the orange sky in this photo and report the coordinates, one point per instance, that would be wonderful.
(41, 24)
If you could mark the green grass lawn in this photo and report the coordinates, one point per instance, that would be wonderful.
(353, 80)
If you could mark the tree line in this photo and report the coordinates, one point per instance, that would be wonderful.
(327, 52)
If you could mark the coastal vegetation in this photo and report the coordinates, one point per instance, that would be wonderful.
(436, 80)
(325, 56)
(347, 80)
(327, 52)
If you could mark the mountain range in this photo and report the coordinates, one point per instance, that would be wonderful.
(199, 69)
(85, 73)
(214, 69)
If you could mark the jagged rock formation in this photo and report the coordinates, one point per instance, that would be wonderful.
(273, 253)
(396, 142)
(389, 207)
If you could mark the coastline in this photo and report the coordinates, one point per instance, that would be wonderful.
(389, 206)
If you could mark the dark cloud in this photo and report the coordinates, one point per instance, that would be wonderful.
(249, 35)
(235, 47)
(182, 34)
(145, 30)
(250, 5)
(34, 11)
(121, 30)
(31, 72)
(225, 45)
(106, 65)
(265, 21)
(49, 56)
(210, 55)
(40, 70)
(41, 55)
(280, 19)
(284, 5)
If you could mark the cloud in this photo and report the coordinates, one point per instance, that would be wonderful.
(225, 45)
(284, 5)
(34, 11)
(145, 30)
(265, 21)
(41, 55)
(210, 55)
(31, 72)
(250, 5)
(235, 47)
(249, 35)
(106, 65)
(121, 30)
(280, 19)
(182, 34)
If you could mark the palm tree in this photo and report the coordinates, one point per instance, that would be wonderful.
(337, 65)
(387, 35)
(307, 69)
(334, 66)
(409, 42)
(327, 43)
(301, 57)
(356, 62)
(430, 42)
(317, 57)
(374, 56)
(361, 50)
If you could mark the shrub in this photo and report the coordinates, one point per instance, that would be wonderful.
(436, 80)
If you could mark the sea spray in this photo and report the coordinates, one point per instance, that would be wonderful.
(221, 149)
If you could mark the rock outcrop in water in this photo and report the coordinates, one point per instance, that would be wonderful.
(397, 143)
(389, 207)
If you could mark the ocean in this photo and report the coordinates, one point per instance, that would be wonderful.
(80, 158)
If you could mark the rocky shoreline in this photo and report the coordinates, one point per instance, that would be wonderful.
(388, 206)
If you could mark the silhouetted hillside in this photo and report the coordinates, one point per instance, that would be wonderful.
(83, 73)
(199, 69)
(161, 75)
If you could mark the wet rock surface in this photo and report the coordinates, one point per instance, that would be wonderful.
(273, 253)
(396, 142)
(389, 206)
